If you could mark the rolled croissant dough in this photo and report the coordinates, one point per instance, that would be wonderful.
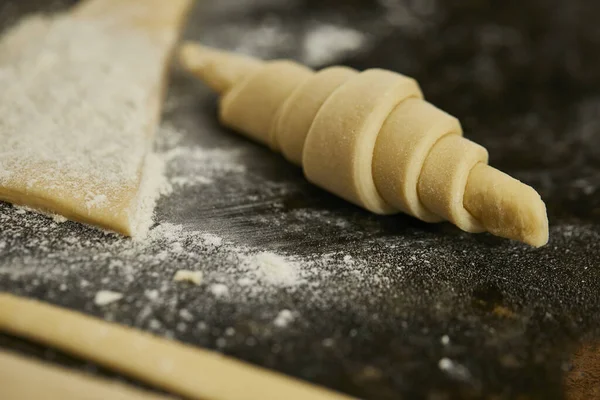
(443, 179)
(398, 159)
(79, 104)
(253, 103)
(300, 109)
(338, 153)
(372, 139)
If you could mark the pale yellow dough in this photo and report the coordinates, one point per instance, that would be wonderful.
(399, 158)
(184, 370)
(254, 103)
(372, 139)
(23, 379)
(338, 152)
(444, 177)
(77, 173)
(300, 109)
(506, 209)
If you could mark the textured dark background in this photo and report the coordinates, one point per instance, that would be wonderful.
(524, 78)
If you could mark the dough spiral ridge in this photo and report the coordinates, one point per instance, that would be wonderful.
(368, 137)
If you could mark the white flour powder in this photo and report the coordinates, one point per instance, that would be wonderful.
(327, 43)
(283, 319)
(272, 269)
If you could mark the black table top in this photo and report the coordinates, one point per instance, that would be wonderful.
(381, 307)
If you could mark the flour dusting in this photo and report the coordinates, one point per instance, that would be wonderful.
(283, 319)
(272, 269)
(327, 43)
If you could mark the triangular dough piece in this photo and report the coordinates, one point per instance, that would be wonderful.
(79, 103)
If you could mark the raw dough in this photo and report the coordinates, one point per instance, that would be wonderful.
(398, 159)
(444, 176)
(79, 104)
(184, 275)
(338, 153)
(187, 371)
(507, 218)
(253, 104)
(301, 107)
(370, 138)
(22, 378)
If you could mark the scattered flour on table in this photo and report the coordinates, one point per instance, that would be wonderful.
(186, 315)
(152, 294)
(219, 290)
(273, 269)
(258, 271)
(212, 240)
(261, 39)
(153, 185)
(39, 255)
(283, 319)
(316, 42)
(192, 166)
(454, 369)
(59, 219)
(55, 217)
(327, 43)
(409, 16)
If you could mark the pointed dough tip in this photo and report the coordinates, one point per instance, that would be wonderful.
(190, 56)
(505, 206)
(538, 233)
(220, 70)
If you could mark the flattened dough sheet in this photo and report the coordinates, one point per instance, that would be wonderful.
(80, 101)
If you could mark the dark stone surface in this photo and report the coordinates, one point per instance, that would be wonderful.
(524, 78)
